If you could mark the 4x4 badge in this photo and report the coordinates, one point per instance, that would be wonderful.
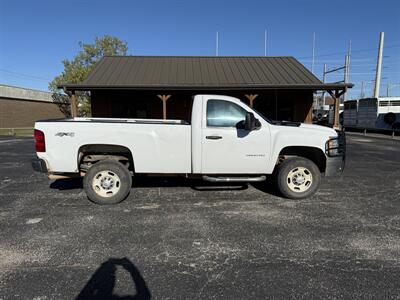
(61, 134)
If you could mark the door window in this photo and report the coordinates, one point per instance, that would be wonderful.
(224, 113)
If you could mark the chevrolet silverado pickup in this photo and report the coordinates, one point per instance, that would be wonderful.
(226, 141)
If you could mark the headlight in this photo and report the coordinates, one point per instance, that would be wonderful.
(332, 147)
(333, 143)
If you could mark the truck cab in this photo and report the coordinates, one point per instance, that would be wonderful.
(226, 141)
(233, 138)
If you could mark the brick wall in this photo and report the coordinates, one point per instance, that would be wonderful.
(20, 113)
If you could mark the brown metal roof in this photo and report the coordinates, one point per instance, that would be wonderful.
(200, 72)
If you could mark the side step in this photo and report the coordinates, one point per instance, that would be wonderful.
(234, 179)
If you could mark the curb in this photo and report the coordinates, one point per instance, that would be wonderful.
(374, 135)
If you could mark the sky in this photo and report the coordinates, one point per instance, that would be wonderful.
(36, 35)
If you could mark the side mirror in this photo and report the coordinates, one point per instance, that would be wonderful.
(251, 123)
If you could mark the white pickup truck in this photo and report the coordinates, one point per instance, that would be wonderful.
(226, 141)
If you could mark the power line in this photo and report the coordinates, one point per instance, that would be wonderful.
(353, 51)
(367, 73)
(24, 75)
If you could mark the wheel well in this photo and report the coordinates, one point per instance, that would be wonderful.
(314, 154)
(92, 153)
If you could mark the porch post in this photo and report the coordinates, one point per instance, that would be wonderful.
(336, 97)
(164, 99)
(251, 98)
(73, 103)
(336, 123)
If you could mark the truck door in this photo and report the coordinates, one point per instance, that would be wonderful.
(227, 149)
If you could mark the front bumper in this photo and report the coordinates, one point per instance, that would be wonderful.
(39, 165)
(335, 165)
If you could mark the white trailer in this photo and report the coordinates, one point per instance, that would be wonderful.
(350, 113)
(373, 113)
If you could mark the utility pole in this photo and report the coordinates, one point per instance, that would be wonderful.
(313, 53)
(336, 95)
(346, 72)
(379, 66)
(216, 44)
(348, 67)
(324, 80)
(362, 94)
(265, 42)
(387, 89)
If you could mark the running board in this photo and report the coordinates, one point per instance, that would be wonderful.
(234, 179)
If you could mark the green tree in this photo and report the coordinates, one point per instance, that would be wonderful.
(77, 69)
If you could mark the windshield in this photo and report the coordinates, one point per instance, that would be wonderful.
(261, 115)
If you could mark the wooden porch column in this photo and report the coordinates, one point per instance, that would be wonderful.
(336, 123)
(251, 98)
(164, 99)
(336, 97)
(74, 105)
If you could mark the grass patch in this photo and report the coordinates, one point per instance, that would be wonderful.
(16, 131)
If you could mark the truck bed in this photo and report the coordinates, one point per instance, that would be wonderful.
(155, 149)
(119, 120)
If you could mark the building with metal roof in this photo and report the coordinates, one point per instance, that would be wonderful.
(132, 86)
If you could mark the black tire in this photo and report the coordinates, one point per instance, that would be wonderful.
(107, 182)
(396, 125)
(287, 185)
(389, 118)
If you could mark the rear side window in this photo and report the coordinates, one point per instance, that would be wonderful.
(222, 113)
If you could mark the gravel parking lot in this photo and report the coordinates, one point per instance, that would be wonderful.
(172, 239)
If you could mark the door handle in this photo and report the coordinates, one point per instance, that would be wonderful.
(213, 137)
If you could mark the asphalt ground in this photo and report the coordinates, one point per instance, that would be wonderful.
(173, 240)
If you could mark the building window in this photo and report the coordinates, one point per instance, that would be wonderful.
(224, 114)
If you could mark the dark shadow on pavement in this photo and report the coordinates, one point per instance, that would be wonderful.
(102, 282)
(221, 187)
(67, 184)
(142, 181)
(268, 186)
(176, 181)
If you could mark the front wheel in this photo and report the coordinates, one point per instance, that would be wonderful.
(107, 182)
(298, 178)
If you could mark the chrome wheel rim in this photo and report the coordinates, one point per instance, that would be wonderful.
(106, 184)
(299, 179)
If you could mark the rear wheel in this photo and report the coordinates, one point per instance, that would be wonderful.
(298, 178)
(107, 182)
(396, 125)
